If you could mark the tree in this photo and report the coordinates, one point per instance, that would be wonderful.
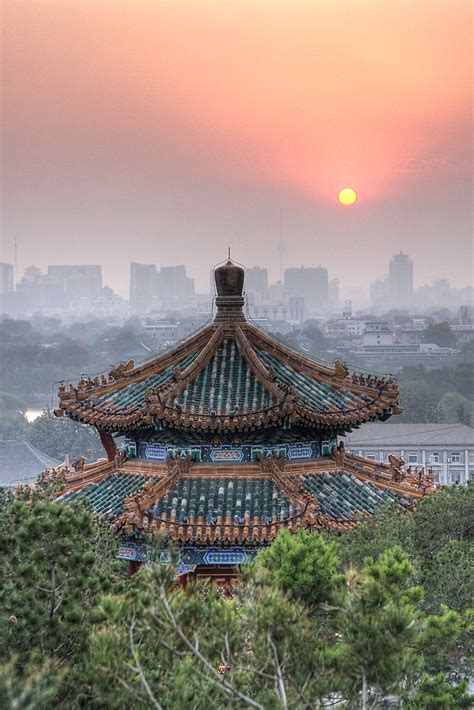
(16, 331)
(61, 436)
(438, 693)
(378, 626)
(165, 648)
(418, 402)
(13, 426)
(440, 334)
(453, 408)
(11, 403)
(56, 563)
(438, 537)
(304, 565)
(303, 630)
(318, 340)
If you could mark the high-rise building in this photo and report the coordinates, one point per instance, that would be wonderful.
(173, 285)
(256, 284)
(142, 286)
(36, 291)
(379, 293)
(334, 293)
(296, 309)
(75, 281)
(6, 287)
(442, 292)
(309, 282)
(6, 278)
(400, 280)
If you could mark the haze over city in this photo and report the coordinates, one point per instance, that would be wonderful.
(163, 132)
(236, 354)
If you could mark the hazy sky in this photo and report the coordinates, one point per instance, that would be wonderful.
(164, 131)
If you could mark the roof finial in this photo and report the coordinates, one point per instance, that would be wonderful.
(228, 252)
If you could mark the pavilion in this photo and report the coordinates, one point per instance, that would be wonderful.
(231, 436)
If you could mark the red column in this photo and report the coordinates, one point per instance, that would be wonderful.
(108, 443)
(182, 579)
(133, 567)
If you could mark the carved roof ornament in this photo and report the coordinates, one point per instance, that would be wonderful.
(338, 453)
(397, 468)
(122, 370)
(340, 370)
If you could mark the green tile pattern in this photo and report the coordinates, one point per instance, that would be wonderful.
(256, 498)
(318, 395)
(107, 497)
(341, 494)
(133, 396)
(225, 385)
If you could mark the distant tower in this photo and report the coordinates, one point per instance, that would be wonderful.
(15, 262)
(281, 252)
(400, 280)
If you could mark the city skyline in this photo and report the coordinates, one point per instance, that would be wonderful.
(140, 132)
(311, 289)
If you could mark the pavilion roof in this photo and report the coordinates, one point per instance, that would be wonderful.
(242, 503)
(230, 376)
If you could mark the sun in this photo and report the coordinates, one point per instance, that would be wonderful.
(347, 196)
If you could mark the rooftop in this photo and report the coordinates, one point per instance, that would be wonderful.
(232, 504)
(21, 463)
(397, 435)
(230, 376)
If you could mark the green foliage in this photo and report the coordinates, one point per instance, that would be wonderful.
(438, 539)
(419, 404)
(379, 625)
(318, 340)
(306, 626)
(48, 583)
(454, 408)
(15, 331)
(440, 334)
(58, 436)
(304, 565)
(37, 688)
(11, 403)
(422, 390)
(13, 425)
(438, 693)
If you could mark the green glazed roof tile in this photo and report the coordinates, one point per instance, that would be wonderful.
(225, 385)
(107, 497)
(343, 494)
(319, 395)
(226, 498)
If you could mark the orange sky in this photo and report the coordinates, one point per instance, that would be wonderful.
(176, 121)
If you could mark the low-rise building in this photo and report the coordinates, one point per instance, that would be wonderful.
(22, 463)
(345, 327)
(446, 448)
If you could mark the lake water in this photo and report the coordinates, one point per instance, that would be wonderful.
(32, 414)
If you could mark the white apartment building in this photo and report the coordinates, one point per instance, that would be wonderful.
(446, 448)
(345, 327)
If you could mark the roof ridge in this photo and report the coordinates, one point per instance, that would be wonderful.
(125, 374)
(43, 458)
(259, 369)
(288, 352)
(184, 377)
(337, 375)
